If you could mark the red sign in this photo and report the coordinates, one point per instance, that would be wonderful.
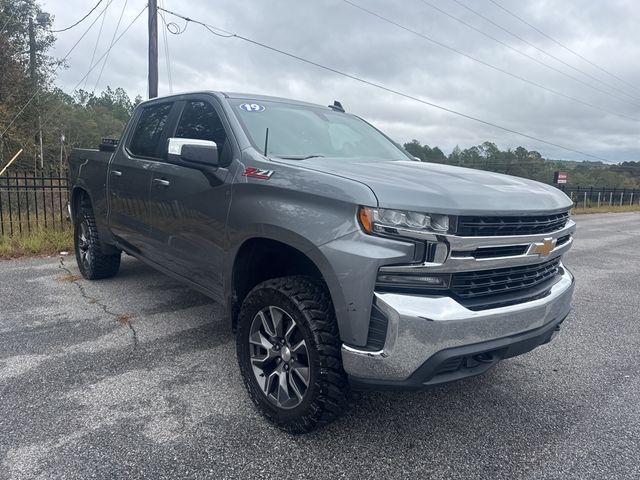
(560, 177)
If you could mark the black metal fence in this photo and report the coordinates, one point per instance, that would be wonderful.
(595, 197)
(31, 201)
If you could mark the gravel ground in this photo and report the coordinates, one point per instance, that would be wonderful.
(136, 377)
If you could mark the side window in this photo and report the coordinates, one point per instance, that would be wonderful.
(149, 130)
(200, 121)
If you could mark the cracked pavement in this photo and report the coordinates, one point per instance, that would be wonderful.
(75, 279)
(136, 377)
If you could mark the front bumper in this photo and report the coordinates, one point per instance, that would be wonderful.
(426, 336)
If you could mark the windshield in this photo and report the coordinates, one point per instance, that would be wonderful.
(301, 131)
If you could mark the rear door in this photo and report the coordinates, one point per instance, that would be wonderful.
(189, 209)
(130, 174)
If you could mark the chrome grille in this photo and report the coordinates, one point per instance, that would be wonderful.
(493, 252)
(476, 226)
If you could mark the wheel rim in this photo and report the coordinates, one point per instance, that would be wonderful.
(279, 357)
(84, 244)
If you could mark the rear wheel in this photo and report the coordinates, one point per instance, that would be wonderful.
(92, 263)
(289, 353)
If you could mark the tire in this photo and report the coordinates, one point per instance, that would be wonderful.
(305, 302)
(93, 264)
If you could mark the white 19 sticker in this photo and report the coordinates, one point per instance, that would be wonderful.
(252, 107)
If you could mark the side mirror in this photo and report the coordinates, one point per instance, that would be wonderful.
(193, 153)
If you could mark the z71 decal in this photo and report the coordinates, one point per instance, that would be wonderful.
(257, 173)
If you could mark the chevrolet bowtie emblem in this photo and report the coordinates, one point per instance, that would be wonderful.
(545, 247)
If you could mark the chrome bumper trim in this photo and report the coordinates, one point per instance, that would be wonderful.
(420, 326)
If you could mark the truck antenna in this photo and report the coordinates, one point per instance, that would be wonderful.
(266, 141)
(337, 106)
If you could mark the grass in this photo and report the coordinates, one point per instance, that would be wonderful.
(39, 242)
(607, 209)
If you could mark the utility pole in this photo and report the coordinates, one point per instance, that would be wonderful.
(153, 48)
(32, 50)
(34, 84)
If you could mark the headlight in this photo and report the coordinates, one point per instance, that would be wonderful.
(399, 222)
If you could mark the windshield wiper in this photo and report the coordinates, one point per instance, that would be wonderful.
(299, 157)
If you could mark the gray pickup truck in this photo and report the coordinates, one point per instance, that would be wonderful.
(342, 262)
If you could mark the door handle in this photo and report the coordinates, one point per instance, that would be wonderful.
(160, 182)
(116, 173)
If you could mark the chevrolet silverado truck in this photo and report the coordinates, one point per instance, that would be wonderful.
(342, 262)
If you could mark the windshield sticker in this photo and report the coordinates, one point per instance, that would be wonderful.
(252, 107)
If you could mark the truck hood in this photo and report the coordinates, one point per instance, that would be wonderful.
(437, 188)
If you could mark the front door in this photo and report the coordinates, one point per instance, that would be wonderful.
(189, 209)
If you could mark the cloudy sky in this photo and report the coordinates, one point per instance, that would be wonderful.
(339, 35)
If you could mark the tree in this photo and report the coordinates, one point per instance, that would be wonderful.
(454, 158)
(415, 148)
(531, 164)
(26, 72)
(28, 93)
(438, 155)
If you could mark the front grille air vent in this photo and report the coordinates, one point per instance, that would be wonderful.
(502, 280)
(478, 226)
(563, 240)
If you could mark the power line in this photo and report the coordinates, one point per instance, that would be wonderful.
(13, 14)
(115, 32)
(167, 56)
(226, 34)
(565, 47)
(510, 47)
(532, 45)
(95, 47)
(487, 64)
(110, 47)
(79, 21)
(52, 73)
(92, 67)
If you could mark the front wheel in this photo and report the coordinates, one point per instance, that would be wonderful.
(289, 353)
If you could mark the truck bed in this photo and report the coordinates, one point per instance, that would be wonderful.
(88, 168)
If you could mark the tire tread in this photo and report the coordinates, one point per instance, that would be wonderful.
(313, 301)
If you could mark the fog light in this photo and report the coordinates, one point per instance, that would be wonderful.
(411, 281)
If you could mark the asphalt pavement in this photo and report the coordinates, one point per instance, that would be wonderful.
(136, 377)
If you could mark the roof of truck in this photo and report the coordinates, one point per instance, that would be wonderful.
(268, 98)
(236, 95)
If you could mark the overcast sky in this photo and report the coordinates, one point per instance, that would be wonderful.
(341, 36)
